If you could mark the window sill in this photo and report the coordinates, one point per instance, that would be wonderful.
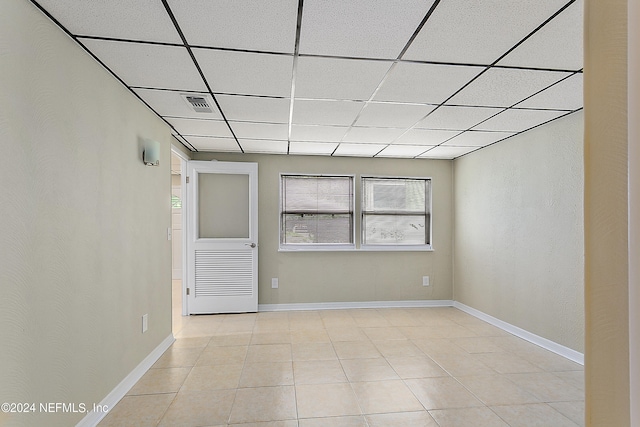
(353, 248)
(399, 248)
(317, 248)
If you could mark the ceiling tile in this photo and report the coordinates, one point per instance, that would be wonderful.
(424, 83)
(312, 148)
(518, 120)
(457, 118)
(325, 112)
(246, 73)
(444, 152)
(407, 151)
(170, 103)
(478, 31)
(201, 127)
(144, 20)
(565, 95)
(264, 146)
(250, 130)
(559, 44)
(425, 136)
(255, 109)
(392, 115)
(477, 138)
(145, 65)
(502, 87)
(359, 29)
(207, 143)
(331, 78)
(372, 135)
(239, 24)
(358, 150)
(318, 133)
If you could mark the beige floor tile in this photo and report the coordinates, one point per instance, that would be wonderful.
(310, 324)
(271, 325)
(346, 334)
(203, 408)
(138, 411)
(456, 331)
(264, 404)
(191, 330)
(231, 340)
(485, 330)
(309, 336)
(285, 423)
(269, 353)
(546, 387)
(397, 348)
(384, 334)
(222, 356)
(549, 361)
(216, 377)
(512, 344)
(191, 342)
(356, 350)
(371, 321)
(176, 357)
(476, 417)
(318, 372)
(536, 415)
(404, 419)
(477, 345)
(575, 378)
(420, 332)
(507, 363)
(266, 374)
(416, 367)
(442, 393)
(313, 351)
(271, 338)
(164, 380)
(572, 410)
(352, 421)
(326, 400)
(362, 370)
(462, 365)
(385, 396)
(338, 321)
(496, 390)
(434, 346)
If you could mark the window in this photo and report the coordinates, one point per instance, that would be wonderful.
(316, 211)
(396, 211)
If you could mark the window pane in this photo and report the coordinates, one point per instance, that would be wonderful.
(395, 229)
(317, 194)
(394, 195)
(322, 228)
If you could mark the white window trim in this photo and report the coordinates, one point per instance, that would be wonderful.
(396, 248)
(316, 247)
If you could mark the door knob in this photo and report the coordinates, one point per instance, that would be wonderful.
(253, 245)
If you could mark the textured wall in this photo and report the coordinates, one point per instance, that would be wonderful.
(519, 231)
(83, 248)
(606, 219)
(314, 277)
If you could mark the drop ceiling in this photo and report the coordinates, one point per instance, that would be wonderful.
(384, 78)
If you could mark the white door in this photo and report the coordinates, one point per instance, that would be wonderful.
(222, 244)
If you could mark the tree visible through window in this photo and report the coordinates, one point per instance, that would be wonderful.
(396, 211)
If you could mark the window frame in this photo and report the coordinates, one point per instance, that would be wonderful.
(399, 247)
(295, 247)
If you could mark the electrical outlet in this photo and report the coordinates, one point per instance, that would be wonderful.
(274, 283)
(425, 281)
(145, 323)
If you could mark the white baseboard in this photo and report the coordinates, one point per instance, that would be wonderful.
(93, 418)
(343, 305)
(525, 335)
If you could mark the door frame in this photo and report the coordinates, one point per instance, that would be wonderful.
(183, 191)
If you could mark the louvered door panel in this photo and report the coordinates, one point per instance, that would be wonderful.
(223, 273)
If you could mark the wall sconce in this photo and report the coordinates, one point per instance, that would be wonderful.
(151, 152)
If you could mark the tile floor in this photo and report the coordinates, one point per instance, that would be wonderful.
(427, 367)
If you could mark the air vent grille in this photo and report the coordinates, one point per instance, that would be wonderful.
(198, 103)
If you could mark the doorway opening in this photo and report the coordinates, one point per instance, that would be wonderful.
(177, 254)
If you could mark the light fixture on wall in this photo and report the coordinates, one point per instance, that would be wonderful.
(151, 152)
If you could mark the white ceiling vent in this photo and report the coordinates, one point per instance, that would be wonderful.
(199, 103)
